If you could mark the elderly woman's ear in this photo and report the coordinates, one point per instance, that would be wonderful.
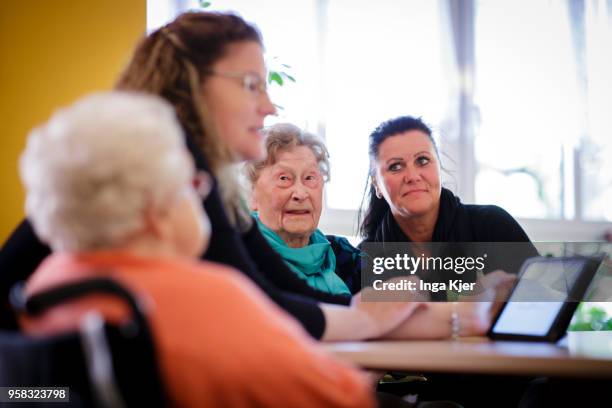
(156, 220)
(252, 202)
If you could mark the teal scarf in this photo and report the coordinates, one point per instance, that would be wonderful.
(315, 263)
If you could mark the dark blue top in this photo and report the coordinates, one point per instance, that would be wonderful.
(348, 262)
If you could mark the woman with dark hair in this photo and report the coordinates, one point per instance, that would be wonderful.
(407, 203)
(406, 200)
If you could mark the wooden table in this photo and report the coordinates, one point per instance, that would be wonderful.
(586, 355)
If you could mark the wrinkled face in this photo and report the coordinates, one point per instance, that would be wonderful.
(408, 174)
(288, 194)
(238, 111)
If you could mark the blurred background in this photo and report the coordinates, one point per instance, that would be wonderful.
(517, 92)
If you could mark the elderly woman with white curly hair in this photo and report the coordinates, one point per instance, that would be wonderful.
(286, 196)
(110, 186)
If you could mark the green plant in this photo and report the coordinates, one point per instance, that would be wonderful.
(590, 318)
(279, 75)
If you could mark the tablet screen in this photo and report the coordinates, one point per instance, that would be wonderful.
(538, 298)
(528, 318)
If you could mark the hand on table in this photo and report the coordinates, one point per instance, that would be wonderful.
(493, 288)
(474, 317)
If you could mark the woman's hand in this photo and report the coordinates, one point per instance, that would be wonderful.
(433, 320)
(493, 288)
(474, 318)
(497, 283)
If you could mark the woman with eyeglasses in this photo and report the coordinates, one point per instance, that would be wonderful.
(210, 67)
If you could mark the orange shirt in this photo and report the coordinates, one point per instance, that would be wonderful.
(220, 341)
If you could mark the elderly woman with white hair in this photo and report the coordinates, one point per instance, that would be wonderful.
(110, 187)
(287, 195)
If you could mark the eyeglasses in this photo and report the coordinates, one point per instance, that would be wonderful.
(202, 184)
(251, 82)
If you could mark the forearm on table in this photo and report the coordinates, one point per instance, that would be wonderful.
(430, 321)
(362, 320)
(342, 323)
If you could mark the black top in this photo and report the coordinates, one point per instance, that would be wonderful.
(468, 223)
(19, 257)
(248, 252)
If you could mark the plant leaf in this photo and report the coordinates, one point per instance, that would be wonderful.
(204, 4)
(289, 77)
(274, 76)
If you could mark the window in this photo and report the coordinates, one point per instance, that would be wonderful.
(377, 65)
(518, 95)
(541, 94)
(596, 148)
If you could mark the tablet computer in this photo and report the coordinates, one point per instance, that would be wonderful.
(544, 299)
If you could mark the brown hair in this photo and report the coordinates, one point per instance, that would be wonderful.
(173, 62)
(285, 136)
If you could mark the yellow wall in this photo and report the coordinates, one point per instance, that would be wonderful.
(51, 52)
